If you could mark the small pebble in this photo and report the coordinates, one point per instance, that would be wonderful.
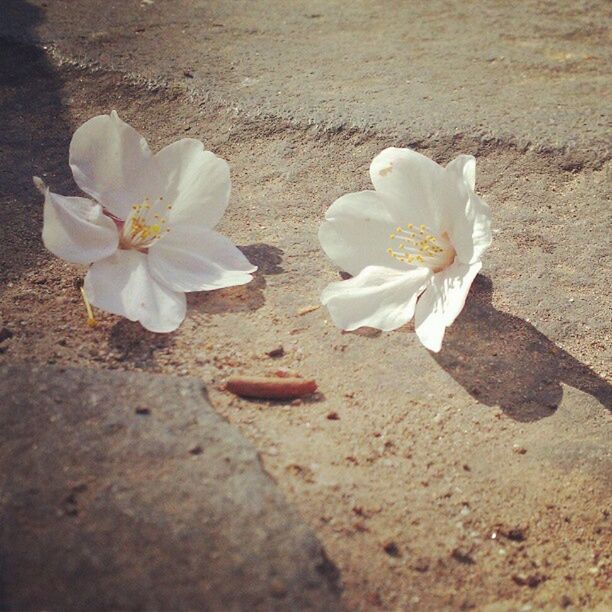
(276, 352)
(421, 565)
(391, 549)
(462, 556)
(532, 581)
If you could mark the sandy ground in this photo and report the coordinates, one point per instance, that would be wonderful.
(478, 477)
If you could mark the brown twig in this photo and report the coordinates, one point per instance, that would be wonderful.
(271, 387)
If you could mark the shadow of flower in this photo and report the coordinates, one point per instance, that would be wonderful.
(366, 332)
(243, 297)
(502, 360)
(233, 299)
(136, 345)
(267, 258)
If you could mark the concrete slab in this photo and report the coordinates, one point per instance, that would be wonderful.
(421, 71)
(126, 491)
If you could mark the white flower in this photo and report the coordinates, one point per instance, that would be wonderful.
(422, 233)
(148, 230)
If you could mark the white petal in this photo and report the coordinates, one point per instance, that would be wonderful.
(196, 182)
(378, 297)
(442, 302)
(122, 284)
(112, 162)
(192, 258)
(469, 220)
(464, 166)
(415, 181)
(76, 229)
(355, 233)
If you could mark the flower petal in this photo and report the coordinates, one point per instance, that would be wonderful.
(469, 220)
(192, 258)
(415, 181)
(442, 302)
(76, 229)
(355, 233)
(112, 162)
(196, 182)
(464, 167)
(122, 284)
(378, 297)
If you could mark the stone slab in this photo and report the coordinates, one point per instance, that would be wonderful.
(126, 491)
(414, 71)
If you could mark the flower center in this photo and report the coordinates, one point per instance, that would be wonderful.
(419, 246)
(145, 224)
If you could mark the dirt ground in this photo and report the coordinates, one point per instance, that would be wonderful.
(476, 478)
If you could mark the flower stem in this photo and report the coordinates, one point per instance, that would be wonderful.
(91, 320)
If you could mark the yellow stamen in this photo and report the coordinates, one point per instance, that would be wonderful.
(418, 245)
(145, 224)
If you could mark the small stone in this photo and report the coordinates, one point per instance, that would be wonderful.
(333, 416)
(532, 580)
(392, 549)
(143, 411)
(196, 450)
(421, 565)
(276, 352)
(516, 534)
(462, 556)
(519, 450)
